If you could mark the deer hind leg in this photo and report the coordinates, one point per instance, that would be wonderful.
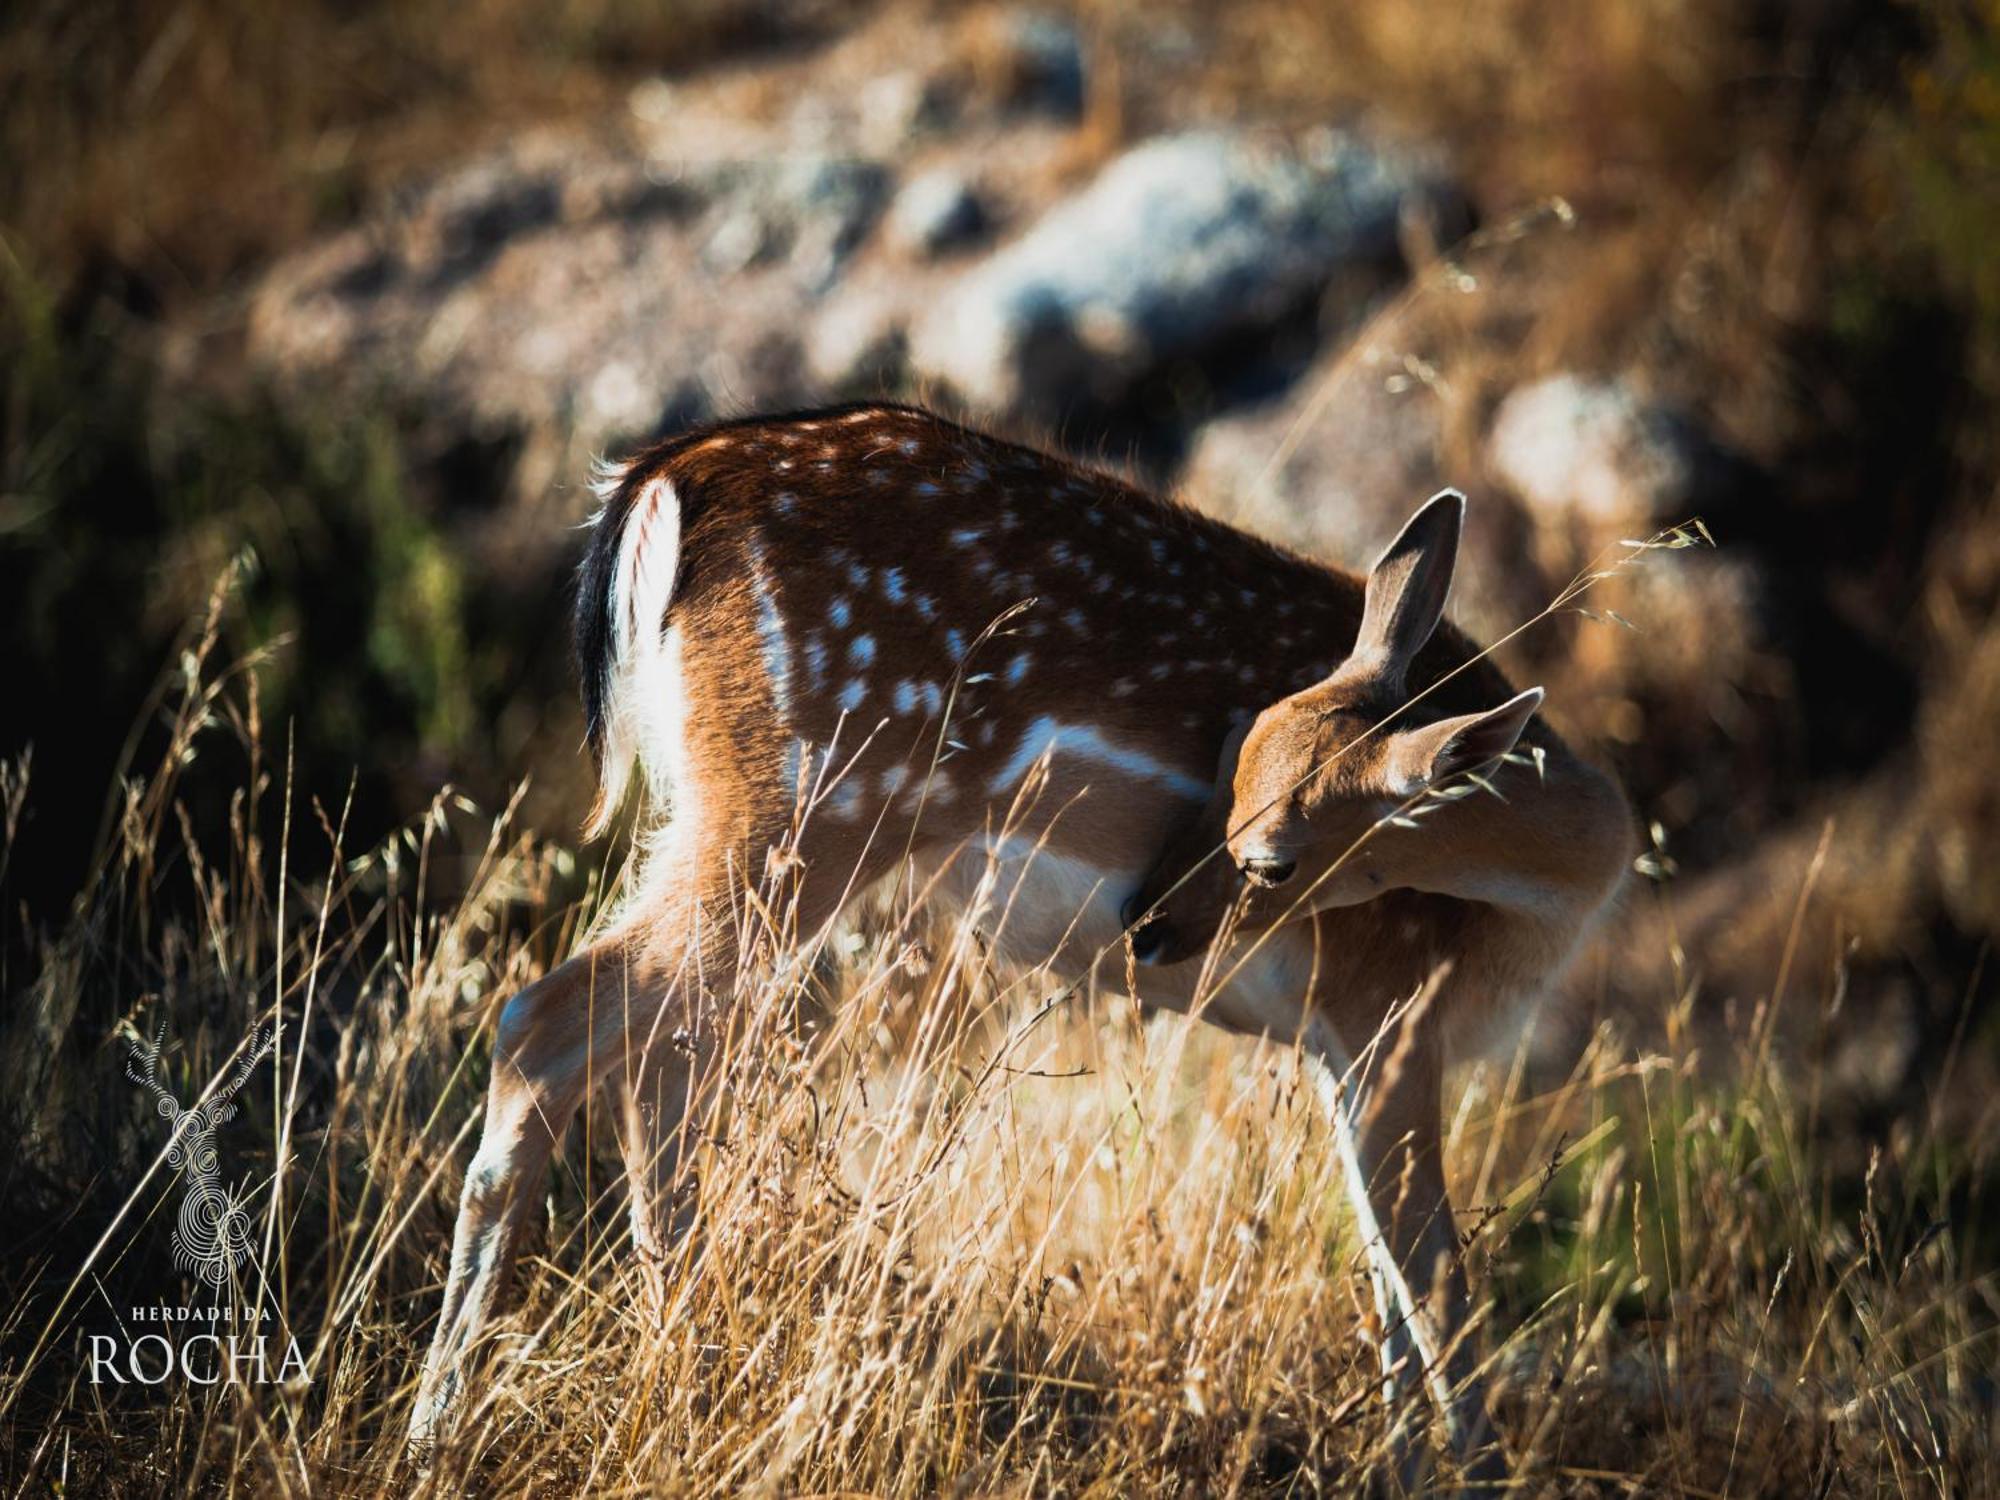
(540, 1075)
(654, 1086)
(1385, 1112)
(633, 1000)
(637, 1011)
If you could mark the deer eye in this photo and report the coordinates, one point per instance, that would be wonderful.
(1268, 870)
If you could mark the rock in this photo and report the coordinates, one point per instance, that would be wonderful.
(934, 211)
(895, 108)
(1178, 244)
(740, 241)
(1333, 468)
(826, 206)
(856, 345)
(1594, 450)
(578, 294)
(1041, 66)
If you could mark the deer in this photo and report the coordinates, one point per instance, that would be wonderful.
(856, 634)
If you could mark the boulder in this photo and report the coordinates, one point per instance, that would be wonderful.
(934, 211)
(1333, 468)
(1039, 62)
(1595, 452)
(1179, 244)
(855, 344)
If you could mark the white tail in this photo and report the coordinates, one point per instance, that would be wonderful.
(955, 613)
(631, 721)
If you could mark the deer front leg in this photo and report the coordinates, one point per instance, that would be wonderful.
(1385, 1113)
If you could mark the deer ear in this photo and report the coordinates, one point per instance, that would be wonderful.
(1426, 755)
(1407, 588)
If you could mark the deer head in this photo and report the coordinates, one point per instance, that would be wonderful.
(1303, 790)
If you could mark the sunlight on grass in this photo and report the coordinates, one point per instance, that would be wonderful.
(947, 1237)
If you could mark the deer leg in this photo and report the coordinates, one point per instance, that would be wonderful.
(655, 1088)
(1385, 1112)
(557, 1039)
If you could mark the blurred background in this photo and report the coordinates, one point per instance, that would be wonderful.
(355, 292)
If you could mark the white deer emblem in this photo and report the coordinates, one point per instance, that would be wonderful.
(212, 1235)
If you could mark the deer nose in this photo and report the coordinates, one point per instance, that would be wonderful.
(1152, 940)
(1150, 935)
(1269, 869)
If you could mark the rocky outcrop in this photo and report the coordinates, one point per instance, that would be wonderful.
(558, 285)
(1176, 246)
(570, 294)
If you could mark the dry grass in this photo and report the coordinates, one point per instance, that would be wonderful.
(948, 1242)
(948, 1239)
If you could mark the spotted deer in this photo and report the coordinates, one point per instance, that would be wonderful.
(785, 628)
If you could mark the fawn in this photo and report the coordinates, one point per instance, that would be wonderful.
(791, 615)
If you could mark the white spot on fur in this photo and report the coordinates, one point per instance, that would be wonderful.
(771, 632)
(844, 800)
(1083, 741)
